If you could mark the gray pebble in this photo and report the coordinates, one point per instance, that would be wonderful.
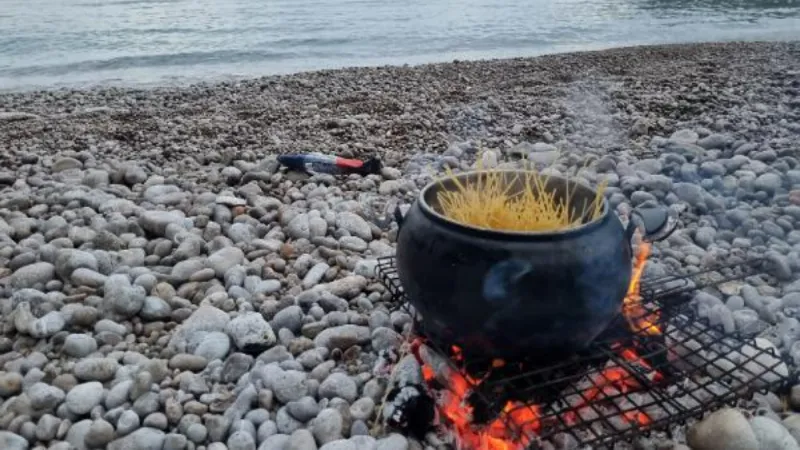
(726, 429)
(302, 440)
(266, 430)
(250, 329)
(128, 422)
(276, 441)
(244, 426)
(118, 394)
(285, 423)
(11, 441)
(385, 338)
(217, 426)
(303, 409)
(156, 420)
(100, 433)
(122, 298)
(10, 384)
(354, 224)
(241, 440)
(155, 308)
(174, 441)
(236, 365)
(343, 337)
(340, 444)
(197, 433)
(96, 369)
(359, 428)
(76, 435)
(771, 434)
(290, 318)
(289, 386)
(393, 442)
(314, 275)
(327, 426)
(768, 182)
(362, 408)
(32, 275)
(84, 397)
(79, 345)
(185, 361)
(47, 428)
(339, 385)
(45, 397)
(224, 259)
(141, 439)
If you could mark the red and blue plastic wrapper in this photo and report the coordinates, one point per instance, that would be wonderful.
(331, 164)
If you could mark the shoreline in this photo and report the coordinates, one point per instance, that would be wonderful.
(223, 79)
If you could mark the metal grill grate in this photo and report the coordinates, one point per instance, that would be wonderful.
(626, 384)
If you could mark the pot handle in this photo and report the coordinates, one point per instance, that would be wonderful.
(655, 221)
(398, 217)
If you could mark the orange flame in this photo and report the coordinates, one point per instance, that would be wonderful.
(639, 320)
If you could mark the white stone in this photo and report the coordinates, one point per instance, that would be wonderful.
(251, 329)
(726, 429)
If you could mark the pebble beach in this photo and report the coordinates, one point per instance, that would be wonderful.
(165, 285)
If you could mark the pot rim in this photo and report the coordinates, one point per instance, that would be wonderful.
(429, 211)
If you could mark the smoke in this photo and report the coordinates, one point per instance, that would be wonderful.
(591, 125)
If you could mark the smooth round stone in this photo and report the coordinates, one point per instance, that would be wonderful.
(10, 384)
(241, 440)
(393, 442)
(772, 434)
(197, 433)
(362, 408)
(156, 420)
(726, 429)
(339, 385)
(128, 422)
(185, 361)
(84, 397)
(79, 345)
(100, 433)
(96, 369)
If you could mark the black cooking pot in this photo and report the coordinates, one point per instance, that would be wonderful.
(515, 294)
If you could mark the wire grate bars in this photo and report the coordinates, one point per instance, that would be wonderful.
(626, 384)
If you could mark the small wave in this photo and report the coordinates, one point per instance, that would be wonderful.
(299, 41)
(128, 3)
(150, 31)
(163, 60)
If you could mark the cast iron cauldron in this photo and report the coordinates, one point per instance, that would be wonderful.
(512, 294)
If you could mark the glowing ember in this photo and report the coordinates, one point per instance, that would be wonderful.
(427, 374)
(615, 381)
(516, 425)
